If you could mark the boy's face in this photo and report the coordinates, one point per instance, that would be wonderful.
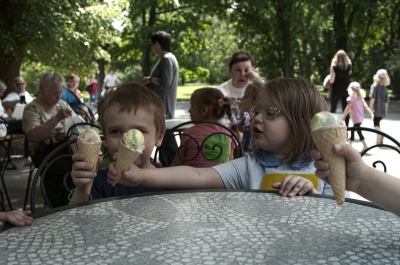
(116, 124)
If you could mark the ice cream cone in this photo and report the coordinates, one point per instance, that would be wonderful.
(325, 139)
(125, 159)
(91, 152)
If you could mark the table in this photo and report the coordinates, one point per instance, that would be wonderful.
(208, 227)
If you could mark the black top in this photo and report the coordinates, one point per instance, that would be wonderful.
(342, 81)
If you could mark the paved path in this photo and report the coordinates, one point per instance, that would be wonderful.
(16, 179)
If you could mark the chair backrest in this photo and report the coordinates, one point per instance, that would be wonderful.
(178, 131)
(368, 154)
(85, 112)
(53, 158)
(5, 146)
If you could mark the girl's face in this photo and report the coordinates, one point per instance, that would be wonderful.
(270, 134)
(247, 101)
(195, 113)
(239, 73)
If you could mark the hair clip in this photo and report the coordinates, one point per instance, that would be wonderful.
(221, 102)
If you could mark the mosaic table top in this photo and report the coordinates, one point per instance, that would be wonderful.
(208, 228)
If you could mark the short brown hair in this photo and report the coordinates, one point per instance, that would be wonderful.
(133, 96)
(241, 56)
(299, 100)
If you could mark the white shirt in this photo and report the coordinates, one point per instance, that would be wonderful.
(111, 80)
(15, 96)
(228, 90)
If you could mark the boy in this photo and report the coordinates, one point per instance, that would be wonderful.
(131, 106)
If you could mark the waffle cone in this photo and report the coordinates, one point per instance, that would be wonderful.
(91, 152)
(325, 139)
(125, 159)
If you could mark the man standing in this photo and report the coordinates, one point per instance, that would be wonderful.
(20, 95)
(164, 77)
(164, 80)
(110, 81)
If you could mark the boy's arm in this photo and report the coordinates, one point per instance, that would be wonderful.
(180, 177)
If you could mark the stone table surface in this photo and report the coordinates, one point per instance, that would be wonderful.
(203, 227)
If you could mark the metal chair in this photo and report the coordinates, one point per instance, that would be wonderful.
(385, 136)
(85, 112)
(50, 160)
(178, 130)
(5, 147)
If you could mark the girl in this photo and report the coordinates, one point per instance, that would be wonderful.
(356, 105)
(280, 128)
(248, 100)
(211, 105)
(379, 101)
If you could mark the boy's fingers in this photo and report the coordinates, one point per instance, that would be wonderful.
(348, 152)
(315, 154)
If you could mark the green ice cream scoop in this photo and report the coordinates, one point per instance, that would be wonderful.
(133, 140)
(325, 119)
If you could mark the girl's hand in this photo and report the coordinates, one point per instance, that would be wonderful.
(17, 218)
(82, 172)
(128, 177)
(293, 185)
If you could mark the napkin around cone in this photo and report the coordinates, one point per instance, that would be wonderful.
(125, 159)
(325, 139)
(91, 152)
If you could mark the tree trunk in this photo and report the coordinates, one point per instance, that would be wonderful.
(146, 51)
(102, 73)
(9, 70)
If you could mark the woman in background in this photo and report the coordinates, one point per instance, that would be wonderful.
(340, 79)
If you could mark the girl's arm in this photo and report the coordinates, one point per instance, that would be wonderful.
(346, 110)
(181, 177)
(386, 108)
(371, 104)
(177, 160)
(369, 110)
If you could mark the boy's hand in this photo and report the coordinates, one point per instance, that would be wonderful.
(355, 167)
(292, 185)
(82, 172)
(128, 177)
(16, 218)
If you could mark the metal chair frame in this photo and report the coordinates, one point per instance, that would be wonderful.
(178, 130)
(5, 143)
(395, 148)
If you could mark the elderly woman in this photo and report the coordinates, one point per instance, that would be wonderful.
(44, 124)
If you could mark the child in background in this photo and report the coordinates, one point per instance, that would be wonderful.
(131, 106)
(17, 218)
(280, 127)
(370, 183)
(248, 100)
(379, 99)
(356, 105)
(211, 105)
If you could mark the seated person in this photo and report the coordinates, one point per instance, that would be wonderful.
(77, 105)
(211, 105)
(44, 123)
(131, 106)
(20, 95)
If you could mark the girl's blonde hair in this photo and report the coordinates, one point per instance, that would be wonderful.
(299, 100)
(355, 91)
(341, 60)
(254, 87)
(217, 104)
(382, 78)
